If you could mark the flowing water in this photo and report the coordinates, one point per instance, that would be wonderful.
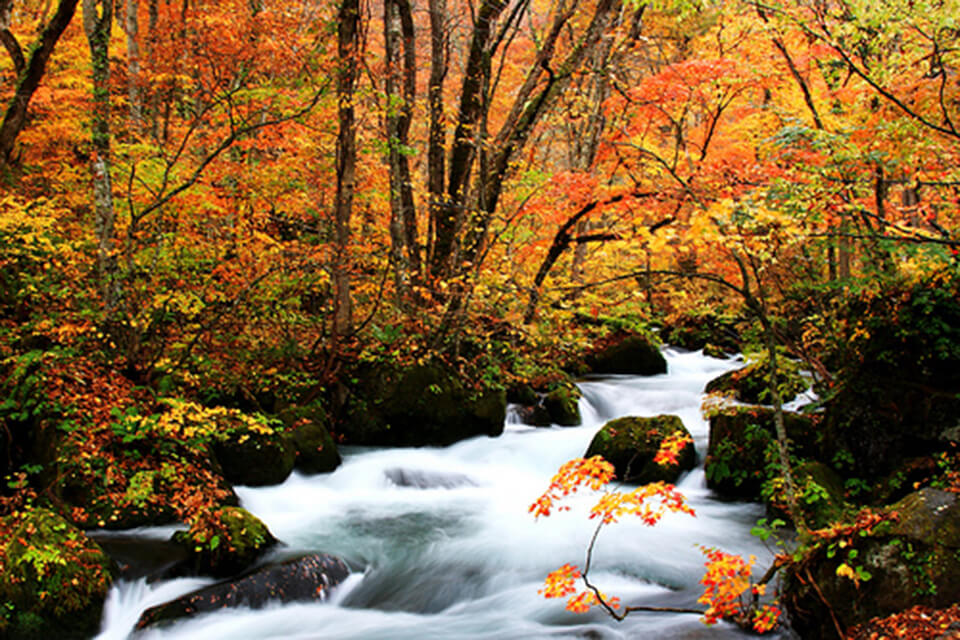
(442, 546)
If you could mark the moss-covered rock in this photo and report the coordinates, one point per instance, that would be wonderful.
(631, 443)
(559, 406)
(751, 384)
(563, 405)
(421, 405)
(739, 449)
(55, 579)
(912, 560)
(253, 451)
(713, 351)
(316, 450)
(628, 354)
(225, 541)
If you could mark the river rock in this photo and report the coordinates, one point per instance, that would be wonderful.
(54, 579)
(141, 557)
(631, 443)
(419, 479)
(627, 354)
(255, 457)
(225, 541)
(559, 406)
(913, 560)
(316, 450)
(305, 578)
(421, 405)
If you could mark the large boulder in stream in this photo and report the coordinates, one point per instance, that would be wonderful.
(420, 405)
(304, 578)
(225, 541)
(628, 354)
(876, 569)
(54, 578)
(631, 443)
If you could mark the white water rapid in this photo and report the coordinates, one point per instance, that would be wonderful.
(442, 545)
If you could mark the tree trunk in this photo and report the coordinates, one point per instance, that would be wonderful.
(132, 30)
(449, 212)
(398, 28)
(348, 32)
(436, 165)
(97, 18)
(30, 73)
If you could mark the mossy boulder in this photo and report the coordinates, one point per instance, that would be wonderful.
(253, 450)
(740, 448)
(316, 450)
(713, 351)
(912, 560)
(225, 541)
(308, 426)
(627, 354)
(631, 443)
(55, 579)
(420, 405)
(751, 384)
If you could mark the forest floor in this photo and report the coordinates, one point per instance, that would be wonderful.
(917, 623)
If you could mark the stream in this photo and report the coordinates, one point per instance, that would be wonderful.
(442, 546)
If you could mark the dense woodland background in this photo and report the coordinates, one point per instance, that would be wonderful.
(254, 214)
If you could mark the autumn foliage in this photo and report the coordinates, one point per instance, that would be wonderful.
(729, 593)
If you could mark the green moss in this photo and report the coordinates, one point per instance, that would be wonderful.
(562, 405)
(738, 456)
(225, 541)
(55, 579)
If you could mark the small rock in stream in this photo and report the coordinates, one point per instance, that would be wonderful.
(428, 479)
